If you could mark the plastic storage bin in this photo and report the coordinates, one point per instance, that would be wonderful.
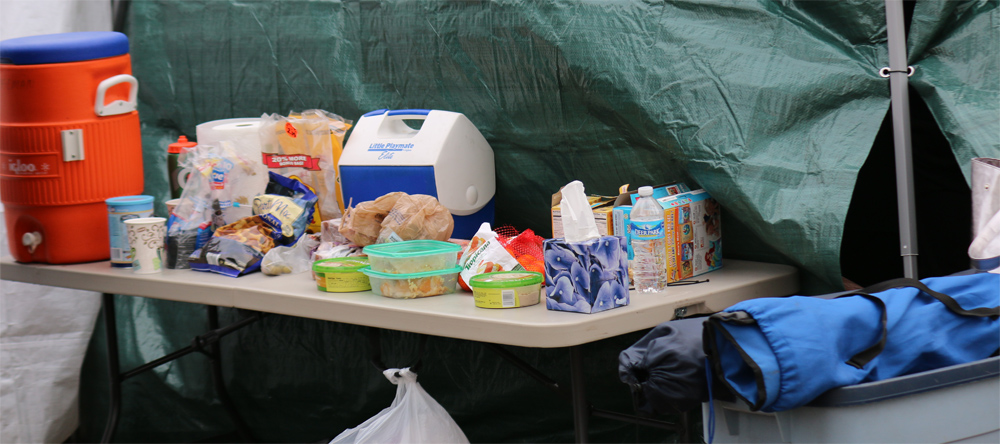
(69, 139)
(960, 403)
(415, 256)
(413, 285)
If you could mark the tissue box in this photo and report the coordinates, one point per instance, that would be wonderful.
(586, 277)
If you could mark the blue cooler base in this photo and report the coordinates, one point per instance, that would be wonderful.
(364, 183)
(466, 226)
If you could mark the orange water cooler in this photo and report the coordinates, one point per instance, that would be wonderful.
(69, 139)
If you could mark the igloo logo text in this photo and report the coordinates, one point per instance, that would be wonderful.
(16, 167)
(36, 166)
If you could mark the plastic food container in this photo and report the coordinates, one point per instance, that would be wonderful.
(415, 256)
(507, 289)
(413, 285)
(341, 274)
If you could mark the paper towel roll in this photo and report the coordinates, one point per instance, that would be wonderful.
(242, 131)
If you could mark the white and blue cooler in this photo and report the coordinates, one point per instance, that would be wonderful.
(447, 158)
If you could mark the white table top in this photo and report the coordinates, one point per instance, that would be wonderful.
(453, 315)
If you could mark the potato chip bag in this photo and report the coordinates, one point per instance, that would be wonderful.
(287, 208)
(235, 249)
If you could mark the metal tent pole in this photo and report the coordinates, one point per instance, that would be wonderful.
(898, 83)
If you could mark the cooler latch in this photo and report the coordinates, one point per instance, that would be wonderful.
(72, 144)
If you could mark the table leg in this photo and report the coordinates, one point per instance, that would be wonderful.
(581, 409)
(115, 380)
(215, 357)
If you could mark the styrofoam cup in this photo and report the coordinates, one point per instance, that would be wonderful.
(171, 204)
(145, 238)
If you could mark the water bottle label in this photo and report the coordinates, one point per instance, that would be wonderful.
(645, 231)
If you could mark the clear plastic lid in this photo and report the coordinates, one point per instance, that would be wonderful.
(411, 248)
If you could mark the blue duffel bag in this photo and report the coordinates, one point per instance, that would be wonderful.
(781, 353)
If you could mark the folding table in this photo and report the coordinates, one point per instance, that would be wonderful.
(453, 316)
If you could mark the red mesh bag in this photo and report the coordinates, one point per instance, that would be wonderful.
(525, 246)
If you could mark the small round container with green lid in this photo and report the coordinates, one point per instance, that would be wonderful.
(507, 289)
(341, 274)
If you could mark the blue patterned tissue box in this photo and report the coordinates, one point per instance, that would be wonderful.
(586, 277)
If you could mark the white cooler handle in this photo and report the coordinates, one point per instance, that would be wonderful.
(393, 126)
(118, 106)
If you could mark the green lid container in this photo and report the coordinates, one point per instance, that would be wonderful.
(506, 289)
(341, 274)
(506, 279)
(414, 256)
(421, 274)
(413, 285)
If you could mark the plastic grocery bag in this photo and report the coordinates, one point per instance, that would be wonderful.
(985, 248)
(210, 198)
(362, 223)
(292, 259)
(396, 217)
(416, 216)
(413, 417)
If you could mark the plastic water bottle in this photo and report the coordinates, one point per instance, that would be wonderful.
(648, 243)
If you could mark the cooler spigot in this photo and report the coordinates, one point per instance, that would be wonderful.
(31, 240)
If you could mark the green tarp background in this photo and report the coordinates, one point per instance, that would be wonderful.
(770, 106)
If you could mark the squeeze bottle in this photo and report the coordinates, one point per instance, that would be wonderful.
(173, 155)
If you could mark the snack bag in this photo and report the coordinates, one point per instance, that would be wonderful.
(286, 208)
(304, 145)
(362, 224)
(235, 249)
(485, 254)
(416, 216)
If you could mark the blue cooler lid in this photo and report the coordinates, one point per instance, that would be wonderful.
(62, 48)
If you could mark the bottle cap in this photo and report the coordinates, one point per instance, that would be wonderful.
(177, 147)
(645, 191)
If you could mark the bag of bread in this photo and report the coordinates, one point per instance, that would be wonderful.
(306, 146)
(416, 216)
(362, 223)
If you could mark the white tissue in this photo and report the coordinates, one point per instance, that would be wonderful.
(577, 216)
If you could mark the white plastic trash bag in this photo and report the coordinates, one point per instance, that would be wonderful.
(985, 248)
(413, 417)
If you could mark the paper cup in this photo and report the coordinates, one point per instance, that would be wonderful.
(171, 204)
(145, 238)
